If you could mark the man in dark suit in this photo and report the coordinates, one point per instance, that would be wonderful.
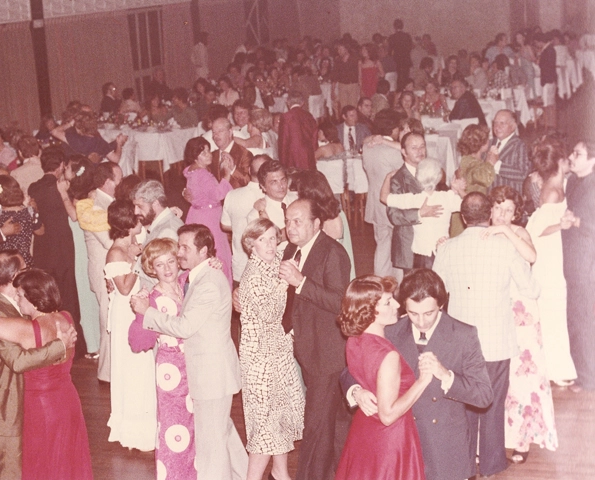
(466, 105)
(508, 153)
(316, 267)
(400, 45)
(351, 132)
(54, 250)
(298, 135)
(451, 349)
(413, 149)
(241, 157)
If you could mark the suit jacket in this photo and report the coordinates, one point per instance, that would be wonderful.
(378, 162)
(298, 139)
(319, 345)
(361, 132)
(204, 324)
(242, 158)
(400, 45)
(515, 164)
(547, 65)
(98, 243)
(14, 360)
(478, 273)
(467, 107)
(403, 220)
(441, 418)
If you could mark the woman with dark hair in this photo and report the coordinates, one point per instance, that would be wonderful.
(451, 72)
(208, 194)
(384, 445)
(14, 209)
(529, 405)
(55, 442)
(313, 185)
(407, 104)
(330, 148)
(133, 399)
(552, 166)
(228, 95)
(499, 77)
(272, 393)
(157, 112)
(432, 101)
(370, 69)
(159, 261)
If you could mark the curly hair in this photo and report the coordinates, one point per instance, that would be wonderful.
(121, 218)
(194, 147)
(473, 138)
(358, 308)
(154, 249)
(503, 193)
(40, 289)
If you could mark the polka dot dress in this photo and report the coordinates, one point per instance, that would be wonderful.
(21, 241)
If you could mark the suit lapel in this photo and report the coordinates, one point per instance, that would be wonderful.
(315, 257)
(406, 345)
(7, 309)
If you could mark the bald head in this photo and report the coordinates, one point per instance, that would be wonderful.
(222, 133)
(476, 209)
(504, 124)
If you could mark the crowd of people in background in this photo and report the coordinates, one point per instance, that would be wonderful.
(495, 265)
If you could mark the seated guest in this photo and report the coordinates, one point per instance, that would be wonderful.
(228, 95)
(364, 111)
(380, 98)
(156, 111)
(129, 102)
(500, 46)
(55, 441)
(407, 104)
(12, 201)
(159, 261)
(423, 74)
(240, 112)
(433, 102)
(30, 170)
(499, 77)
(384, 445)
(158, 85)
(43, 135)
(352, 133)
(446, 76)
(82, 137)
(478, 78)
(184, 115)
(466, 105)
(330, 147)
(109, 102)
(14, 361)
(259, 141)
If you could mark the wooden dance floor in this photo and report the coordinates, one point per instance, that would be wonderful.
(575, 419)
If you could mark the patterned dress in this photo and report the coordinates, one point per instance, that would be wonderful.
(529, 405)
(175, 451)
(272, 394)
(30, 222)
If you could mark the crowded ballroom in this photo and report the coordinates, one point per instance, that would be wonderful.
(296, 240)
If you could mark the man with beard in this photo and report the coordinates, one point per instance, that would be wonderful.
(150, 205)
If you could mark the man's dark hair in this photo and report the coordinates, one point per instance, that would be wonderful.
(387, 120)
(241, 103)
(11, 262)
(105, 87)
(181, 94)
(103, 172)
(421, 283)
(51, 158)
(270, 166)
(361, 100)
(383, 86)
(202, 237)
(346, 109)
(407, 136)
(476, 209)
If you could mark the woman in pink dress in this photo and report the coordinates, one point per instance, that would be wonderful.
(175, 452)
(370, 70)
(385, 445)
(55, 442)
(208, 194)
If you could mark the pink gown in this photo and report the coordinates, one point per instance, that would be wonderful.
(175, 452)
(374, 451)
(55, 442)
(206, 208)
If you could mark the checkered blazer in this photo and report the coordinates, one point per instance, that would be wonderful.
(477, 273)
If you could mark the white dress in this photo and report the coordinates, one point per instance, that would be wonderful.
(133, 418)
(548, 272)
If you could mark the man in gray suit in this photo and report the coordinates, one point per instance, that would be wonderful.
(150, 204)
(211, 357)
(107, 177)
(378, 161)
(351, 132)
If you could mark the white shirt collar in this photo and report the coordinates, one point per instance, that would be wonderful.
(229, 147)
(196, 270)
(12, 302)
(505, 141)
(411, 168)
(101, 192)
(429, 333)
(306, 249)
(158, 218)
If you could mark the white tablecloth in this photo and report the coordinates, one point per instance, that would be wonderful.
(348, 169)
(167, 146)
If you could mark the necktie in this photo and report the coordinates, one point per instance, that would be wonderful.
(186, 285)
(351, 141)
(284, 207)
(422, 337)
(421, 344)
(287, 321)
(498, 143)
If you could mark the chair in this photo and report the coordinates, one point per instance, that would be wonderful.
(142, 169)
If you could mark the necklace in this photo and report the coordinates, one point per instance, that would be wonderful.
(175, 292)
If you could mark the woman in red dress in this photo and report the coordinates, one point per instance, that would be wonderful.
(370, 70)
(385, 445)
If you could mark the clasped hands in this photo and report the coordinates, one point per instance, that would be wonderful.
(288, 271)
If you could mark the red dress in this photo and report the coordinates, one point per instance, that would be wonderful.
(55, 442)
(374, 451)
(369, 81)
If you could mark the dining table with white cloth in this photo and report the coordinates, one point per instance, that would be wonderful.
(150, 144)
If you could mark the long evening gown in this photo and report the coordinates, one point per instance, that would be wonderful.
(133, 418)
(374, 451)
(55, 442)
(206, 208)
(272, 393)
(175, 452)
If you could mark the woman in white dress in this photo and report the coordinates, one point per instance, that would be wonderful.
(544, 227)
(133, 418)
